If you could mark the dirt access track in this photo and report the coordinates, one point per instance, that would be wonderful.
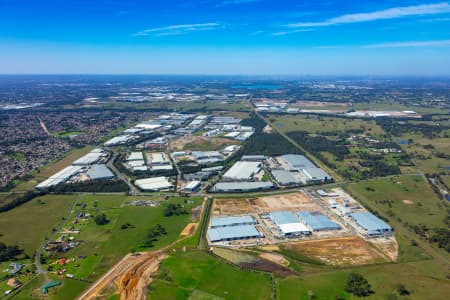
(130, 276)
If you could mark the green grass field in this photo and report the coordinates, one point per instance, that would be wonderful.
(314, 124)
(410, 198)
(28, 224)
(104, 245)
(198, 273)
(425, 158)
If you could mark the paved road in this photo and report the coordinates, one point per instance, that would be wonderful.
(120, 175)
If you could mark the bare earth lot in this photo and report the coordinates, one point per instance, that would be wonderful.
(345, 251)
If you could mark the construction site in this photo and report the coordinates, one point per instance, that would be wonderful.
(330, 226)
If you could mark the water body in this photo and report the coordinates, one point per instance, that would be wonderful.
(257, 86)
(403, 142)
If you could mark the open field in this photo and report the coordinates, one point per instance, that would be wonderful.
(186, 272)
(101, 245)
(347, 251)
(425, 152)
(28, 224)
(404, 197)
(315, 124)
(417, 277)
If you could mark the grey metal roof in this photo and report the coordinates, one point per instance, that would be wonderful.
(371, 223)
(316, 173)
(242, 170)
(99, 172)
(231, 221)
(244, 186)
(284, 177)
(233, 233)
(317, 221)
(297, 161)
(283, 217)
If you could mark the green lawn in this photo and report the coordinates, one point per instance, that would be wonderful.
(184, 273)
(425, 207)
(418, 277)
(313, 124)
(28, 224)
(104, 245)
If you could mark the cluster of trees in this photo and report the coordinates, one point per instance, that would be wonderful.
(101, 219)
(28, 196)
(261, 143)
(358, 285)
(153, 234)
(174, 210)
(441, 236)
(317, 144)
(9, 252)
(396, 128)
(97, 186)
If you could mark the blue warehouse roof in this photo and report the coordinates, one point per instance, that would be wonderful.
(233, 233)
(297, 161)
(371, 223)
(99, 172)
(231, 221)
(317, 221)
(283, 217)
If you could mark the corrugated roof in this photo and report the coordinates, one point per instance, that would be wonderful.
(99, 172)
(242, 170)
(284, 177)
(233, 232)
(371, 223)
(283, 217)
(242, 186)
(317, 221)
(290, 228)
(231, 221)
(296, 161)
(316, 173)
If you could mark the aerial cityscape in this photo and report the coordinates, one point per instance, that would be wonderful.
(224, 149)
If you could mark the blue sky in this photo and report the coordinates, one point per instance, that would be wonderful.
(321, 37)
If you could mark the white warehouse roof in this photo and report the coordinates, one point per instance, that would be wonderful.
(154, 184)
(243, 170)
(89, 158)
(60, 176)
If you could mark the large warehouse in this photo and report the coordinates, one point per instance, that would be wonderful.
(316, 221)
(90, 158)
(154, 184)
(100, 171)
(296, 161)
(242, 187)
(233, 233)
(60, 177)
(372, 225)
(288, 224)
(232, 221)
(242, 170)
(316, 174)
(284, 178)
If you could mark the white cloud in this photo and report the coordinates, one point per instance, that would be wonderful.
(391, 13)
(281, 33)
(177, 29)
(435, 43)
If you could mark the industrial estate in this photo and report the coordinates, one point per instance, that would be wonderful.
(227, 190)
